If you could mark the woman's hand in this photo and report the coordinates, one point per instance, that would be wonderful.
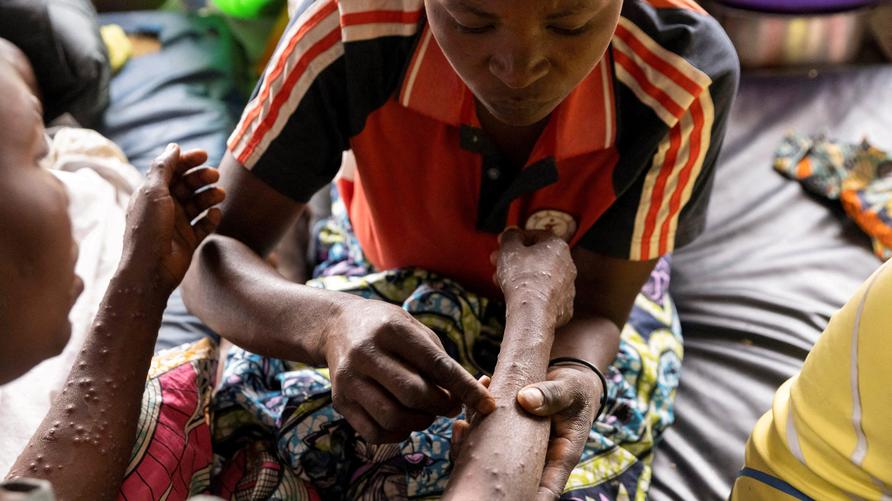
(537, 262)
(571, 396)
(390, 374)
(160, 237)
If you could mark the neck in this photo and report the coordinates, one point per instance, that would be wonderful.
(515, 142)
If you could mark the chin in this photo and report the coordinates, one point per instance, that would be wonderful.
(520, 116)
(59, 340)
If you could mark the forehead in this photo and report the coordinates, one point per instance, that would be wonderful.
(19, 110)
(19, 61)
(528, 7)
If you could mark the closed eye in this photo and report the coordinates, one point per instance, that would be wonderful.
(572, 32)
(473, 29)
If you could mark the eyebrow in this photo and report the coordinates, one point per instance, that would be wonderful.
(568, 12)
(474, 9)
(469, 6)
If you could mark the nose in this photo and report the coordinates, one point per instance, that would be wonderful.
(519, 64)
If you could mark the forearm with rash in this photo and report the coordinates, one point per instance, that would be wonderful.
(84, 443)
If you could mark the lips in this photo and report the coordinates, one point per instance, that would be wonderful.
(77, 289)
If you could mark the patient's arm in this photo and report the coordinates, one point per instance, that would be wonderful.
(569, 394)
(83, 445)
(504, 454)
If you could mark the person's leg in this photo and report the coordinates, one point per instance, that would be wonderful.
(827, 433)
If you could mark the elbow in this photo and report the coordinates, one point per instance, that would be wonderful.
(207, 258)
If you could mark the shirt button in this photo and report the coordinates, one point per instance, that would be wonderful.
(492, 173)
(474, 138)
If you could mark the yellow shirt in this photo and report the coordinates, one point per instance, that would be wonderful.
(828, 434)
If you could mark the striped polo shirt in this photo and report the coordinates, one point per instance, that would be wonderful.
(623, 167)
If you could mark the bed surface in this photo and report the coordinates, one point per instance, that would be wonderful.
(756, 289)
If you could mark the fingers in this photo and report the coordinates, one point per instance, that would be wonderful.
(546, 398)
(460, 430)
(172, 162)
(207, 225)
(203, 200)
(391, 421)
(563, 454)
(421, 349)
(362, 422)
(194, 180)
(461, 427)
(406, 386)
(190, 159)
(511, 239)
(471, 415)
(445, 372)
(533, 237)
(163, 166)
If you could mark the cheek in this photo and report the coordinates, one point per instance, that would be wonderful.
(580, 55)
(43, 256)
(467, 55)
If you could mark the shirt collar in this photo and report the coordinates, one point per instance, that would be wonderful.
(584, 122)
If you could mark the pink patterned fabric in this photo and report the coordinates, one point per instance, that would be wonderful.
(172, 456)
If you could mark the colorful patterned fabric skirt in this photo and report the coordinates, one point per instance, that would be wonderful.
(276, 435)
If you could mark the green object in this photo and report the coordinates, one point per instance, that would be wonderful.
(248, 9)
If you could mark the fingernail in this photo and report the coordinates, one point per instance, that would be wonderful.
(486, 406)
(170, 147)
(533, 396)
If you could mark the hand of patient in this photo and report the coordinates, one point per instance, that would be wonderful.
(539, 263)
(161, 237)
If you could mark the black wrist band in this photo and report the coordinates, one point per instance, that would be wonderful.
(578, 361)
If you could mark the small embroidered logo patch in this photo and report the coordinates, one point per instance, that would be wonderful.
(560, 223)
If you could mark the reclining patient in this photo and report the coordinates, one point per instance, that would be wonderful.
(84, 443)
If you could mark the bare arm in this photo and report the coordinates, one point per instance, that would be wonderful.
(390, 374)
(83, 445)
(238, 293)
(605, 291)
(504, 453)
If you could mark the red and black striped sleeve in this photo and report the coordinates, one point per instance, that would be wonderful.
(336, 63)
(676, 76)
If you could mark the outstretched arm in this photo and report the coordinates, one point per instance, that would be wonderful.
(571, 394)
(83, 445)
(605, 289)
(390, 374)
(504, 453)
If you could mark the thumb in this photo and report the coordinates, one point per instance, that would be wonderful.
(546, 398)
(162, 169)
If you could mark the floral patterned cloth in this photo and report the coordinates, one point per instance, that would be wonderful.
(859, 175)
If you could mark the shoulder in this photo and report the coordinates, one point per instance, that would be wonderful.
(684, 34)
(362, 20)
(347, 24)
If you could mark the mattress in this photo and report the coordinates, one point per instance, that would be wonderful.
(774, 263)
